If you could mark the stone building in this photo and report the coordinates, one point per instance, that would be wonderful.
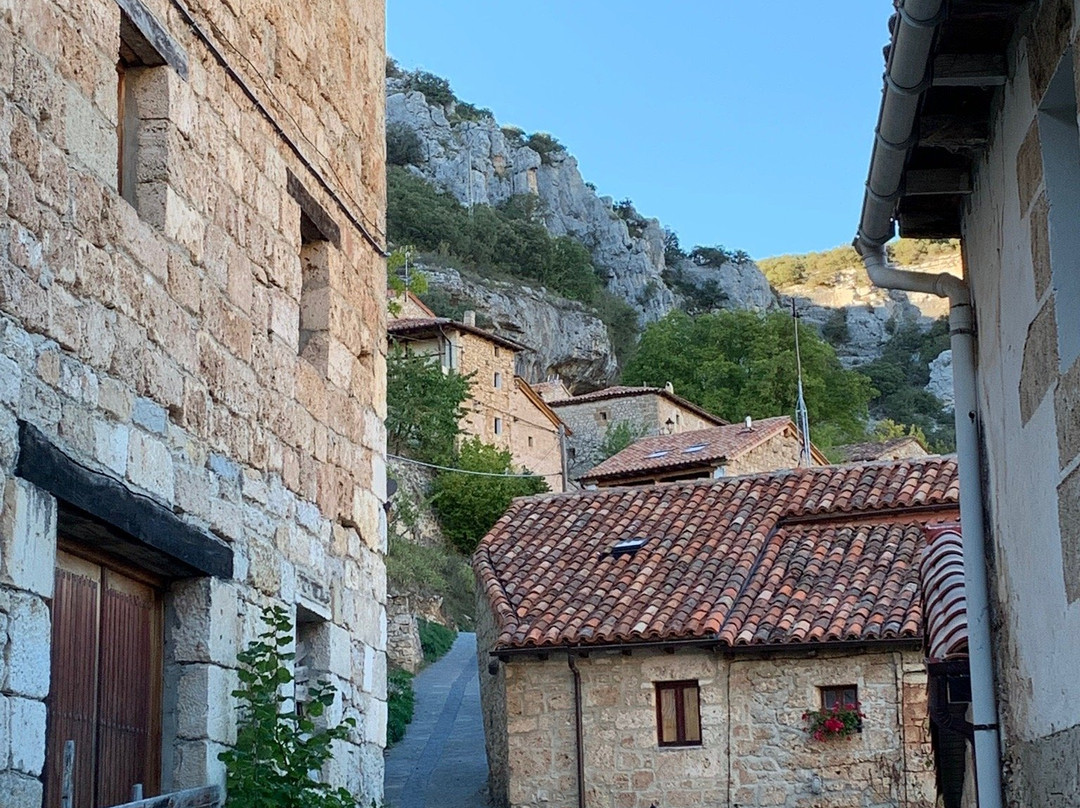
(642, 410)
(504, 410)
(192, 372)
(989, 152)
(875, 451)
(720, 451)
(659, 645)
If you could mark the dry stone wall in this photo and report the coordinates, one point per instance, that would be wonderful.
(157, 345)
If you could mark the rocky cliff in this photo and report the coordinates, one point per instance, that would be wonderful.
(481, 163)
(565, 339)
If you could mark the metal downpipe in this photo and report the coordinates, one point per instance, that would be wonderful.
(579, 740)
(906, 78)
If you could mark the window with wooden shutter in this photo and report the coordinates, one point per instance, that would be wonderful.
(678, 713)
(106, 683)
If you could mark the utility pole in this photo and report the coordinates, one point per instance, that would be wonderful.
(802, 417)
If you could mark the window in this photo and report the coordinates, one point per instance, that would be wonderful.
(106, 683)
(838, 694)
(530, 441)
(146, 56)
(603, 415)
(319, 238)
(496, 351)
(571, 453)
(498, 425)
(498, 380)
(678, 713)
(1060, 142)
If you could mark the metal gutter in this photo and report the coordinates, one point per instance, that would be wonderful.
(907, 77)
(711, 644)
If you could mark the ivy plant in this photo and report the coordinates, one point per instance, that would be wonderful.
(280, 745)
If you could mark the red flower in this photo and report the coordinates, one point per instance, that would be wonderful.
(834, 725)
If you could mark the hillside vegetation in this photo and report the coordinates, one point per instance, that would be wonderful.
(818, 268)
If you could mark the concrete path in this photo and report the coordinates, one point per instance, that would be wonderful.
(441, 763)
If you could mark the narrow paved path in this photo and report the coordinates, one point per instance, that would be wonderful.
(441, 763)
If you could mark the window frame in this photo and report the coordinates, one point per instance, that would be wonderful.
(679, 687)
(824, 691)
(498, 425)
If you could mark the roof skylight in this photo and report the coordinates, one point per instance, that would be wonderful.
(697, 447)
(628, 546)
(656, 454)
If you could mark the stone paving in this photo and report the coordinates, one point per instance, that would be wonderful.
(441, 763)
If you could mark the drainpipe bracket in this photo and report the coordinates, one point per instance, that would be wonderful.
(914, 22)
(917, 90)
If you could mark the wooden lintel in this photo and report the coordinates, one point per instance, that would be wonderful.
(934, 181)
(969, 70)
(149, 39)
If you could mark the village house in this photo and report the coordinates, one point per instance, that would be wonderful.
(720, 451)
(504, 411)
(192, 372)
(640, 410)
(978, 139)
(901, 448)
(659, 645)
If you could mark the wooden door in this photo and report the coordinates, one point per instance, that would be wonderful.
(105, 691)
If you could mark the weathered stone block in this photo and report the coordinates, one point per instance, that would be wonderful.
(28, 535)
(1069, 525)
(1029, 167)
(150, 465)
(1040, 368)
(28, 725)
(205, 622)
(205, 708)
(19, 790)
(1067, 415)
(1040, 245)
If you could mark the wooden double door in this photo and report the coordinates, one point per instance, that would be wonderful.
(105, 692)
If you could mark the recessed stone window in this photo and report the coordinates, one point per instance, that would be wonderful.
(147, 61)
(498, 425)
(678, 713)
(320, 238)
(497, 381)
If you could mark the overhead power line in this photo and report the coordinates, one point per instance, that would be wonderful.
(462, 471)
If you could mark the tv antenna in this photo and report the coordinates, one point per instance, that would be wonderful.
(802, 417)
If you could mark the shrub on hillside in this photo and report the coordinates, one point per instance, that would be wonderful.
(544, 144)
(467, 505)
(400, 704)
(403, 145)
(435, 639)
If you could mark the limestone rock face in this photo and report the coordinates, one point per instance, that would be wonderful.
(871, 313)
(734, 286)
(566, 340)
(941, 381)
(478, 163)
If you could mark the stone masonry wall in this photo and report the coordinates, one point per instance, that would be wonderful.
(1021, 267)
(590, 421)
(754, 749)
(485, 359)
(779, 452)
(535, 440)
(160, 346)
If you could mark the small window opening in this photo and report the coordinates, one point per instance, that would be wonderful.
(839, 695)
(571, 453)
(498, 425)
(496, 351)
(498, 380)
(311, 662)
(314, 338)
(142, 124)
(530, 441)
(628, 546)
(603, 415)
(678, 713)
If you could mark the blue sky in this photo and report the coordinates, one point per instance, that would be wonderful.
(747, 124)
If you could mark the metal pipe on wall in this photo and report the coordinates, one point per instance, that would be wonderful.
(579, 740)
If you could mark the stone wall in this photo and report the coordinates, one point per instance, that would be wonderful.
(157, 345)
(754, 749)
(647, 413)
(535, 440)
(486, 359)
(1029, 400)
(779, 452)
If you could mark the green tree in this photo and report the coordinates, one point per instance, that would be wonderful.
(424, 406)
(739, 363)
(279, 746)
(467, 505)
(618, 436)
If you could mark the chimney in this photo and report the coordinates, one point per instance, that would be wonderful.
(669, 388)
(749, 424)
(469, 318)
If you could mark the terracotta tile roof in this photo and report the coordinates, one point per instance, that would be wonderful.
(673, 452)
(807, 555)
(621, 391)
(416, 326)
(944, 594)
